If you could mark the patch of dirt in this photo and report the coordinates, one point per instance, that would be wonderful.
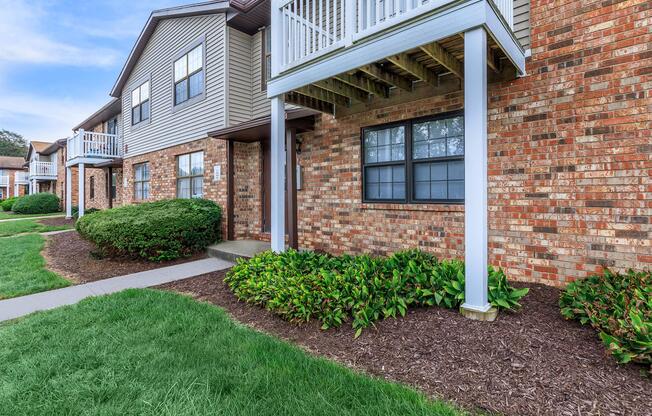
(57, 222)
(71, 256)
(532, 362)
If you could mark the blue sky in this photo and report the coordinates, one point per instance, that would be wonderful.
(60, 58)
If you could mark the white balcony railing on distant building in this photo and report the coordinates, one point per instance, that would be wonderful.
(88, 144)
(4, 181)
(311, 28)
(43, 169)
(21, 178)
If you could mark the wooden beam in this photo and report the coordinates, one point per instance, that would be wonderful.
(324, 95)
(409, 64)
(387, 77)
(309, 102)
(365, 84)
(492, 61)
(445, 58)
(291, 187)
(338, 87)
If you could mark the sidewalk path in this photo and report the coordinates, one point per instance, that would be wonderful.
(32, 218)
(24, 305)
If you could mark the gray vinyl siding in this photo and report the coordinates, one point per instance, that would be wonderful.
(260, 105)
(239, 81)
(167, 126)
(522, 22)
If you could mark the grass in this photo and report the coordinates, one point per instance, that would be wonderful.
(22, 268)
(10, 228)
(147, 352)
(10, 215)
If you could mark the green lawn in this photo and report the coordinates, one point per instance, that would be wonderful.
(10, 228)
(10, 215)
(147, 352)
(22, 269)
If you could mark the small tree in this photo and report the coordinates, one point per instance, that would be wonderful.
(12, 144)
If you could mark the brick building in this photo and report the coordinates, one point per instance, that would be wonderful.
(13, 177)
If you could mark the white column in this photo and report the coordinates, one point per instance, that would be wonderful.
(475, 170)
(278, 174)
(81, 190)
(68, 192)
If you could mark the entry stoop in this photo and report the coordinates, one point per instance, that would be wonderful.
(232, 250)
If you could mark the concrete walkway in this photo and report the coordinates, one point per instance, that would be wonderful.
(24, 305)
(32, 218)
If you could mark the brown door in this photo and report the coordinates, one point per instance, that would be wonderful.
(267, 186)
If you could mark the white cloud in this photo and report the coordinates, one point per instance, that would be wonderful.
(24, 40)
(46, 119)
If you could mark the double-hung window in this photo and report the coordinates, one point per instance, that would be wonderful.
(266, 57)
(189, 75)
(140, 103)
(415, 161)
(141, 181)
(190, 175)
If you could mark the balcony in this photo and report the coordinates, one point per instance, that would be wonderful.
(313, 28)
(91, 147)
(4, 181)
(43, 170)
(21, 178)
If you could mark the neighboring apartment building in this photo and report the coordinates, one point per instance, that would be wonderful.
(13, 177)
(43, 166)
(512, 133)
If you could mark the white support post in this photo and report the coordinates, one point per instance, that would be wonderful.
(81, 198)
(475, 171)
(278, 174)
(68, 192)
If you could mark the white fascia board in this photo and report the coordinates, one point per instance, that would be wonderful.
(426, 30)
(504, 37)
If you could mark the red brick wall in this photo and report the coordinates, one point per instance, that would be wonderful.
(8, 192)
(248, 169)
(570, 156)
(61, 179)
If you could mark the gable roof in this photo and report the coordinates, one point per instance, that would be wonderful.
(38, 147)
(106, 112)
(11, 162)
(197, 9)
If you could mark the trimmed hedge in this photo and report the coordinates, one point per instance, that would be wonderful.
(8, 203)
(619, 306)
(42, 203)
(300, 286)
(156, 231)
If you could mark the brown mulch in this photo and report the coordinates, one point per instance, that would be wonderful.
(532, 362)
(71, 256)
(57, 222)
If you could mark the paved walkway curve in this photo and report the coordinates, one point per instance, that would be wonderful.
(24, 305)
(33, 218)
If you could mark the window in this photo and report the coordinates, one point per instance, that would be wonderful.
(189, 75)
(190, 175)
(112, 126)
(415, 161)
(266, 57)
(113, 185)
(92, 188)
(140, 104)
(141, 181)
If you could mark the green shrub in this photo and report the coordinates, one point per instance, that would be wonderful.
(619, 306)
(8, 203)
(300, 286)
(42, 203)
(75, 211)
(156, 231)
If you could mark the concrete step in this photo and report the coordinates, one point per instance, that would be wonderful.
(232, 250)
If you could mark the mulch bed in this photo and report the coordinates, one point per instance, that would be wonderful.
(532, 362)
(71, 256)
(57, 222)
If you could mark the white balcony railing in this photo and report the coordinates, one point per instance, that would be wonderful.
(43, 169)
(311, 28)
(4, 181)
(21, 178)
(94, 145)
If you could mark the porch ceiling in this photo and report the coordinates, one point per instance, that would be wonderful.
(438, 65)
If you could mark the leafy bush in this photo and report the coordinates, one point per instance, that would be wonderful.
(8, 203)
(156, 231)
(75, 211)
(617, 305)
(300, 286)
(42, 203)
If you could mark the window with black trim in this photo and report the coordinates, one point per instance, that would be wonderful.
(113, 184)
(415, 161)
(141, 181)
(189, 75)
(92, 187)
(266, 57)
(190, 175)
(140, 103)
